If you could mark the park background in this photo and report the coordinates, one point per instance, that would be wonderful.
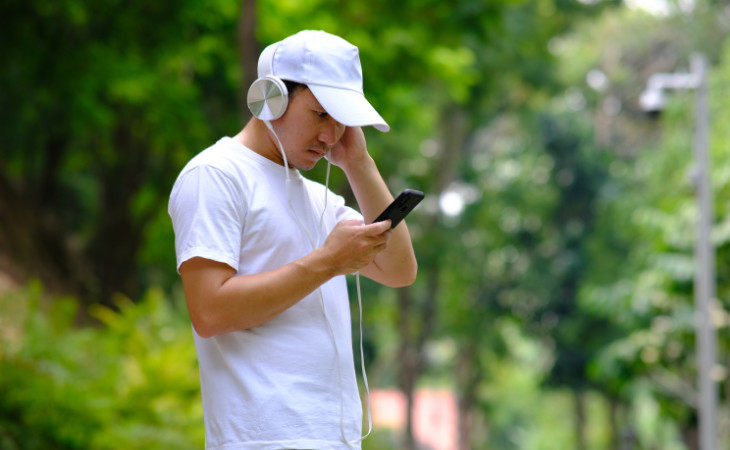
(554, 303)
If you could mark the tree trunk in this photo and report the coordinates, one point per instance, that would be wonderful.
(691, 438)
(580, 419)
(613, 412)
(33, 243)
(416, 318)
(249, 49)
(415, 327)
(409, 367)
(469, 375)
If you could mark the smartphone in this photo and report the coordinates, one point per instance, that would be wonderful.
(401, 206)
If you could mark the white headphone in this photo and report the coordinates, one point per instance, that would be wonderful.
(268, 98)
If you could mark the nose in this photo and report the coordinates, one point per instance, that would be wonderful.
(331, 132)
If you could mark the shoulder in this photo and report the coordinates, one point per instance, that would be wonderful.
(215, 173)
(226, 161)
(220, 156)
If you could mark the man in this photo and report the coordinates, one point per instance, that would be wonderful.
(267, 298)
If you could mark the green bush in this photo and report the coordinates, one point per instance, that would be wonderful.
(130, 383)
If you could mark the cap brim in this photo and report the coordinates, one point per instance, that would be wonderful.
(348, 107)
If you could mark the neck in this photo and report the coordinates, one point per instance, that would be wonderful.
(256, 136)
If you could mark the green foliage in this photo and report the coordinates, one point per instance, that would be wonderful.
(576, 224)
(131, 382)
(642, 253)
(104, 102)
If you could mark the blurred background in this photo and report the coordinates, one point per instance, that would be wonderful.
(555, 306)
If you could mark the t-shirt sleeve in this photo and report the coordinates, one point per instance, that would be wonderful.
(342, 211)
(207, 211)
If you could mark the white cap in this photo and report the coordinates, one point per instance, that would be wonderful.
(330, 67)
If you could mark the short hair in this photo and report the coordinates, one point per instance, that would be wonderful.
(293, 87)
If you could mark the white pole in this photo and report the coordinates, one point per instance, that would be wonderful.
(705, 269)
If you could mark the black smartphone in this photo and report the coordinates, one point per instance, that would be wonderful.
(401, 206)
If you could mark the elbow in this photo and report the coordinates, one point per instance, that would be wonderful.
(204, 333)
(406, 277)
(411, 277)
(202, 329)
(208, 324)
(204, 326)
(412, 273)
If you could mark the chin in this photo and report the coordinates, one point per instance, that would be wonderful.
(306, 165)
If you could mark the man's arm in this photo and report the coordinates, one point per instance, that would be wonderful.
(395, 266)
(220, 302)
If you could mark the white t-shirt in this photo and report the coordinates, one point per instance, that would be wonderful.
(277, 385)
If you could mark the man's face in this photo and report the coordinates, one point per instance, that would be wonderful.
(306, 131)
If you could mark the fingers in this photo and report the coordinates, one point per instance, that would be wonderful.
(378, 227)
(353, 245)
(350, 147)
(373, 238)
(373, 229)
(353, 136)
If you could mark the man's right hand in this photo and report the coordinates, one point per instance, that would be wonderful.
(351, 245)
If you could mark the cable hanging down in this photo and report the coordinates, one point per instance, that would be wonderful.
(315, 244)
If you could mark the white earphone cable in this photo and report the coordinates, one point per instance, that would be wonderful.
(315, 244)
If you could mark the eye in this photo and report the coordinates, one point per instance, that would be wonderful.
(321, 114)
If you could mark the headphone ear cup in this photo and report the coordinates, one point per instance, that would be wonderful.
(268, 98)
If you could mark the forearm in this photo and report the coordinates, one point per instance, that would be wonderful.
(219, 302)
(396, 265)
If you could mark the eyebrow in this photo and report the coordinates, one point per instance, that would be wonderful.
(314, 104)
